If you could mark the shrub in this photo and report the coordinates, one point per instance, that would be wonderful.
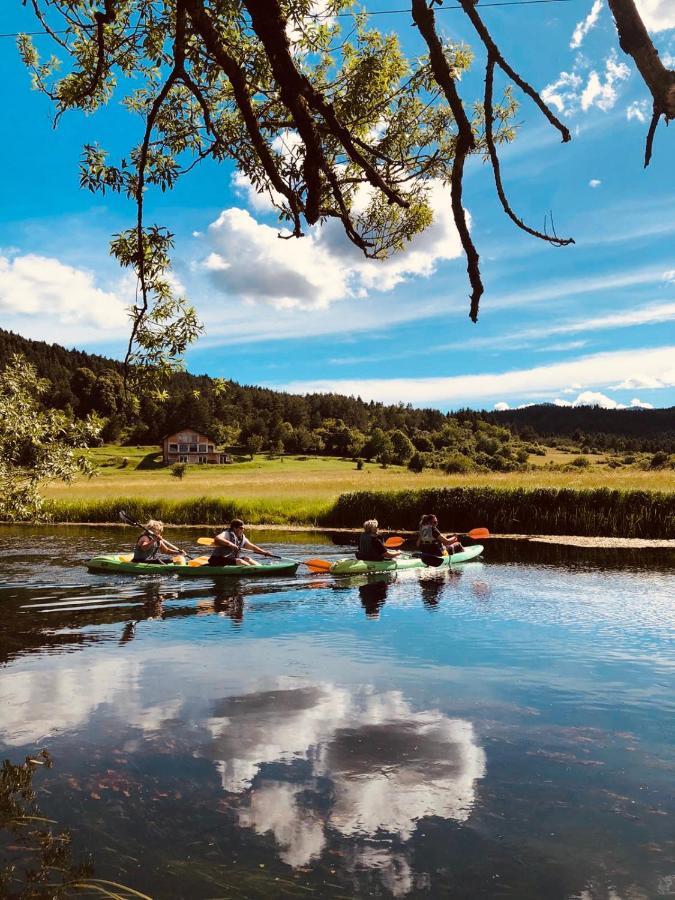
(659, 460)
(178, 469)
(124, 462)
(456, 463)
(416, 463)
(581, 462)
(359, 464)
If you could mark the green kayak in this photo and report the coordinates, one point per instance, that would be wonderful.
(353, 566)
(122, 563)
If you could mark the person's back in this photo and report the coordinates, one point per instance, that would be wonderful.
(371, 548)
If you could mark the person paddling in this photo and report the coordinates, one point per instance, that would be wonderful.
(150, 546)
(430, 541)
(229, 545)
(371, 545)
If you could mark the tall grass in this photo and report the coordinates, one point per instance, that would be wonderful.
(200, 510)
(610, 513)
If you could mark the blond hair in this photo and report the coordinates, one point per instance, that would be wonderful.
(154, 525)
(370, 526)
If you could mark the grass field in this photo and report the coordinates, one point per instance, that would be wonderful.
(312, 481)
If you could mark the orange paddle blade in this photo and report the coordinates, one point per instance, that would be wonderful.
(318, 565)
(394, 542)
(478, 533)
(206, 542)
(199, 561)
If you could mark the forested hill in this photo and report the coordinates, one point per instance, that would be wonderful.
(584, 424)
(330, 423)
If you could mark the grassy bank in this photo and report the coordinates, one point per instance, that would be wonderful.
(640, 514)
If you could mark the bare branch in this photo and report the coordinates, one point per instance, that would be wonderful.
(494, 159)
(424, 19)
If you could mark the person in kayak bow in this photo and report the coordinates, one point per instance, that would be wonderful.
(431, 541)
(150, 545)
(371, 545)
(229, 545)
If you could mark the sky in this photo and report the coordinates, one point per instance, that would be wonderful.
(590, 323)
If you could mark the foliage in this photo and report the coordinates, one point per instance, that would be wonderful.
(641, 514)
(36, 445)
(178, 470)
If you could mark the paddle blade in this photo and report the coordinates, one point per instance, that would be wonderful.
(318, 565)
(432, 561)
(476, 533)
(206, 542)
(394, 542)
(199, 561)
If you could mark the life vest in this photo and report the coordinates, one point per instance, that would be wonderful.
(150, 551)
(369, 549)
(427, 535)
(231, 536)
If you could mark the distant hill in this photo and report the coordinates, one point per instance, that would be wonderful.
(331, 423)
(651, 428)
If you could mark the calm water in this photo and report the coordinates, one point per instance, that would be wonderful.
(503, 730)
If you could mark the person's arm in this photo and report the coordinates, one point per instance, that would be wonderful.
(250, 546)
(221, 541)
(164, 547)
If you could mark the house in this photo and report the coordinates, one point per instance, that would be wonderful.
(191, 446)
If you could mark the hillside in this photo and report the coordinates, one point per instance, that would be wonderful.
(333, 424)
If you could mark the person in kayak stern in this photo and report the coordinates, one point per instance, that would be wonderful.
(431, 541)
(371, 546)
(150, 546)
(229, 544)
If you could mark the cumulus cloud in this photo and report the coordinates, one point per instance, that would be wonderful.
(638, 110)
(563, 93)
(658, 15)
(40, 288)
(249, 261)
(640, 404)
(501, 406)
(592, 398)
(594, 182)
(585, 25)
(603, 93)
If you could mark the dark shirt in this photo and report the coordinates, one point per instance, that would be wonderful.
(371, 548)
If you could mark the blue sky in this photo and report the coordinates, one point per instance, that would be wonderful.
(590, 322)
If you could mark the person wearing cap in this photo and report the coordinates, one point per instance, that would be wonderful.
(229, 545)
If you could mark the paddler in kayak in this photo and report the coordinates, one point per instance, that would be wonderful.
(371, 545)
(431, 542)
(229, 545)
(150, 546)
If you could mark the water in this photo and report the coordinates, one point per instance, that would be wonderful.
(503, 730)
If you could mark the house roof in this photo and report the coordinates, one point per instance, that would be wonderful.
(189, 428)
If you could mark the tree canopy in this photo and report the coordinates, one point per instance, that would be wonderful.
(317, 108)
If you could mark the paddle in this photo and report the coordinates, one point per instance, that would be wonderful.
(429, 559)
(129, 521)
(211, 542)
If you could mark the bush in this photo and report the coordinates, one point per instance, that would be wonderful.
(178, 470)
(456, 463)
(416, 463)
(359, 464)
(581, 462)
(124, 462)
(659, 460)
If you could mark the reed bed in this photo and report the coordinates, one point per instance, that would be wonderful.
(595, 512)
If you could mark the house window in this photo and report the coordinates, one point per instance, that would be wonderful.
(183, 448)
(202, 448)
(173, 448)
(211, 448)
(183, 458)
(193, 448)
(203, 459)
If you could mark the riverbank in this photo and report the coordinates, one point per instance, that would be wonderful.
(541, 511)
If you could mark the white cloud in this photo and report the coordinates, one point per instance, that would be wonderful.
(640, 404)
(594, 182)
(603, 94)
(563, 93)
(638, 110)
(595, 398)
(658, 15)
(501, 406)
(249, 261)
(585, 25)
(669, 275)
(598, 370)
(42, 291)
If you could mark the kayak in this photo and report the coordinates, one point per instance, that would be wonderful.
(122, 563)
(353, 566)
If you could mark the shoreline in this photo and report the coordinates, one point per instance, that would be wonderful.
(567, 540)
